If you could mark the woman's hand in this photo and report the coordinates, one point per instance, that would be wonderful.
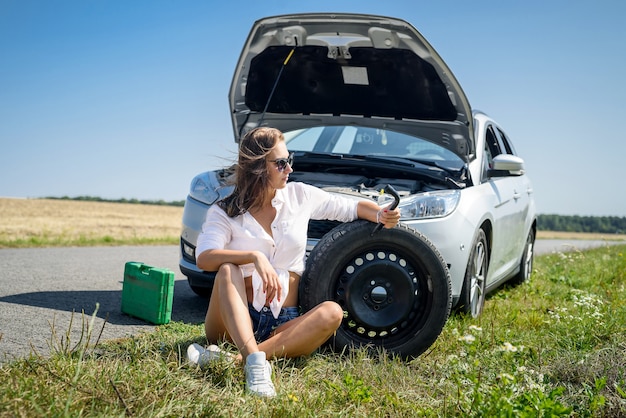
(271, 282)
(388, 217)
(367, 209)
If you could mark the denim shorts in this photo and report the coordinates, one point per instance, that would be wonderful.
(263, 323)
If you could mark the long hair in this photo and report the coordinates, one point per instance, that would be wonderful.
(251, 176)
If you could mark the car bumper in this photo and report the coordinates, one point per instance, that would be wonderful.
(193, 217)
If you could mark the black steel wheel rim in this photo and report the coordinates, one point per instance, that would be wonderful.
(382, 294)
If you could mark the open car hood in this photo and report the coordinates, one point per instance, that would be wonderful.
(303, 70)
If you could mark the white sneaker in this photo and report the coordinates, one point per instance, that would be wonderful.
(259, 375)
(200, 356)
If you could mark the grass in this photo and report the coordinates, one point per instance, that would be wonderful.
(55, 223)
(555, 346)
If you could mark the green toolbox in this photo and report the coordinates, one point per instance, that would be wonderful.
(147, 292)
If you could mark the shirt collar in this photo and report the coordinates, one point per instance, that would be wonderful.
(279, 199)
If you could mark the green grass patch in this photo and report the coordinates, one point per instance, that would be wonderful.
(44, 240)
(555, 346)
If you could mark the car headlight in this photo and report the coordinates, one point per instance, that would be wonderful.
(202, 190)
(429, 204)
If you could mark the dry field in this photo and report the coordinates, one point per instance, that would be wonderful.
(50, 222)
(580, 235)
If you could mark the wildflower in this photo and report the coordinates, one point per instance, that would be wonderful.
(507, 346)
(292, 397)
(467, 338)
(451, 358)
(475, 328)
(507, 378)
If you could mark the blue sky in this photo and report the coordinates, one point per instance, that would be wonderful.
(128, 99)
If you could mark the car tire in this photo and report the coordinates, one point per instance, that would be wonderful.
(200, 283)
(526, 263)
(203, 292)
(394, 287)
(472, 299)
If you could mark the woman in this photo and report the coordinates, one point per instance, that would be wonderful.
(256, 240)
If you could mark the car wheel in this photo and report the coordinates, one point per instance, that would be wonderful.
(201, 283)
(204, 292)
(526, 264)
(394, 287)
(472, 298)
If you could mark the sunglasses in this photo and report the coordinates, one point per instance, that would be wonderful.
(281, 163)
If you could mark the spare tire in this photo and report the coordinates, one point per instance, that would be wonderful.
(394, 287)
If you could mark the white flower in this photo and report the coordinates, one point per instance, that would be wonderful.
(468, 338)
(507, 346)
(506, 377)
(451, 358)
(475, 328)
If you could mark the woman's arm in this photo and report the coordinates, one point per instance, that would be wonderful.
(211, 260)
(367, 209)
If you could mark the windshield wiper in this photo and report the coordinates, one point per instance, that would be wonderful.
(432, 171)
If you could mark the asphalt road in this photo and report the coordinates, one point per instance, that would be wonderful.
(44, 292)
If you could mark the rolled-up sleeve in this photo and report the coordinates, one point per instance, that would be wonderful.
(328, 206)
(216, 231)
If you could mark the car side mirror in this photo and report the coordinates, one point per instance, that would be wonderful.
(505, 165)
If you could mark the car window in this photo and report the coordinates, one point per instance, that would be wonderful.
(366, 141)
(303, 139)
(492, 148)
(506, 143)
(345, 140)
(492, 142)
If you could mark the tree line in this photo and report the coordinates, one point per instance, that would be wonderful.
(575, 223)
(136, 201)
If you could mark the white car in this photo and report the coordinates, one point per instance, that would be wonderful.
(365, 103)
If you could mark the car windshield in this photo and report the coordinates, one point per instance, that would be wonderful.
(355, 140)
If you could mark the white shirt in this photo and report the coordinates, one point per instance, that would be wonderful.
(295, 205)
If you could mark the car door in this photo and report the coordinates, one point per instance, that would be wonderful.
(505, 210)
(522, 190)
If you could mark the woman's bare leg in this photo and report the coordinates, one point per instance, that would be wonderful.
(228, 315)
(303, 335)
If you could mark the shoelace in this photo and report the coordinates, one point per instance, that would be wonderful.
(260, 374)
